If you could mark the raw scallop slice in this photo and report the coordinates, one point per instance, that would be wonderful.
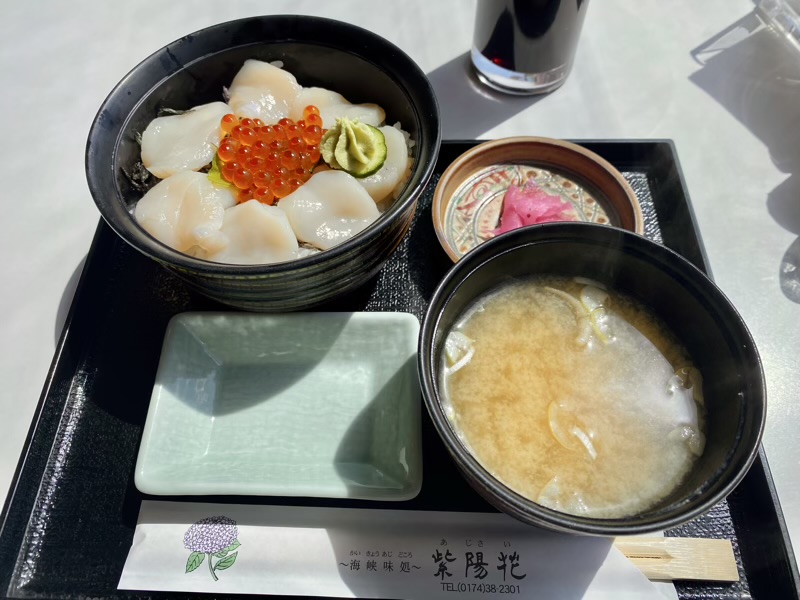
(381, 184)
(328, 209)
(258, 234)
(263, 91)
(184, 142)
(333, 105)
(185, 211)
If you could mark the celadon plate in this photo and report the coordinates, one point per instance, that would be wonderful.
(303, 404)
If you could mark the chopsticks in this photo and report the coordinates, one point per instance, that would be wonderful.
(673, 558)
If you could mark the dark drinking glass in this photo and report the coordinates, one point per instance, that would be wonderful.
(526, 46)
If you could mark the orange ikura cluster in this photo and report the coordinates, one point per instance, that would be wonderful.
(269, 162)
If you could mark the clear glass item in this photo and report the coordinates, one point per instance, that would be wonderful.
(784, 17)
(526, 46)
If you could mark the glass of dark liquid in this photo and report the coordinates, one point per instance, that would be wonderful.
(526, 46)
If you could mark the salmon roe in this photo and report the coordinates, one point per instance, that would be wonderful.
(268, 161)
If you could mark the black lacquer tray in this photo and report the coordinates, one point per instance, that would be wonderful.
(70, 515)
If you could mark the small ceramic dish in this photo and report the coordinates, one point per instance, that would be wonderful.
(313, 404)
(468, 201)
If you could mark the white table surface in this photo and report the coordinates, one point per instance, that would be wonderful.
(644, 69)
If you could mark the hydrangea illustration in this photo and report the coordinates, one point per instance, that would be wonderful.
(215, 537)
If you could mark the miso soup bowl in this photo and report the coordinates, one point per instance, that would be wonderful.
(193, 70)
(688, 302)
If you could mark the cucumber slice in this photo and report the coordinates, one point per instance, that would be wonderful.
(356, 148)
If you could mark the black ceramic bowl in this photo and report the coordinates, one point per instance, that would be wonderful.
(680, 294)
(193, 70)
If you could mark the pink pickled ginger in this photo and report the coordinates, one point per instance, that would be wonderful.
(531, 205)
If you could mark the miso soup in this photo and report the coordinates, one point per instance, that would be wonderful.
(574, 396)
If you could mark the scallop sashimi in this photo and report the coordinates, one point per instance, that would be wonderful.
(328, 209)
(184, 142)
(263, 91)
(333, 105)
(380, 185)
(258, 234)
(185, 211)
(319, 169)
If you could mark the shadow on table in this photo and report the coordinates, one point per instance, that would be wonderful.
(755, 75)
(468, 108)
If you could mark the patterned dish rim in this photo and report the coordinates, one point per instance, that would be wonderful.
(592, 176)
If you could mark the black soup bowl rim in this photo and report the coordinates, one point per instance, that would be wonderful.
(397, 64)
(491, 488)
